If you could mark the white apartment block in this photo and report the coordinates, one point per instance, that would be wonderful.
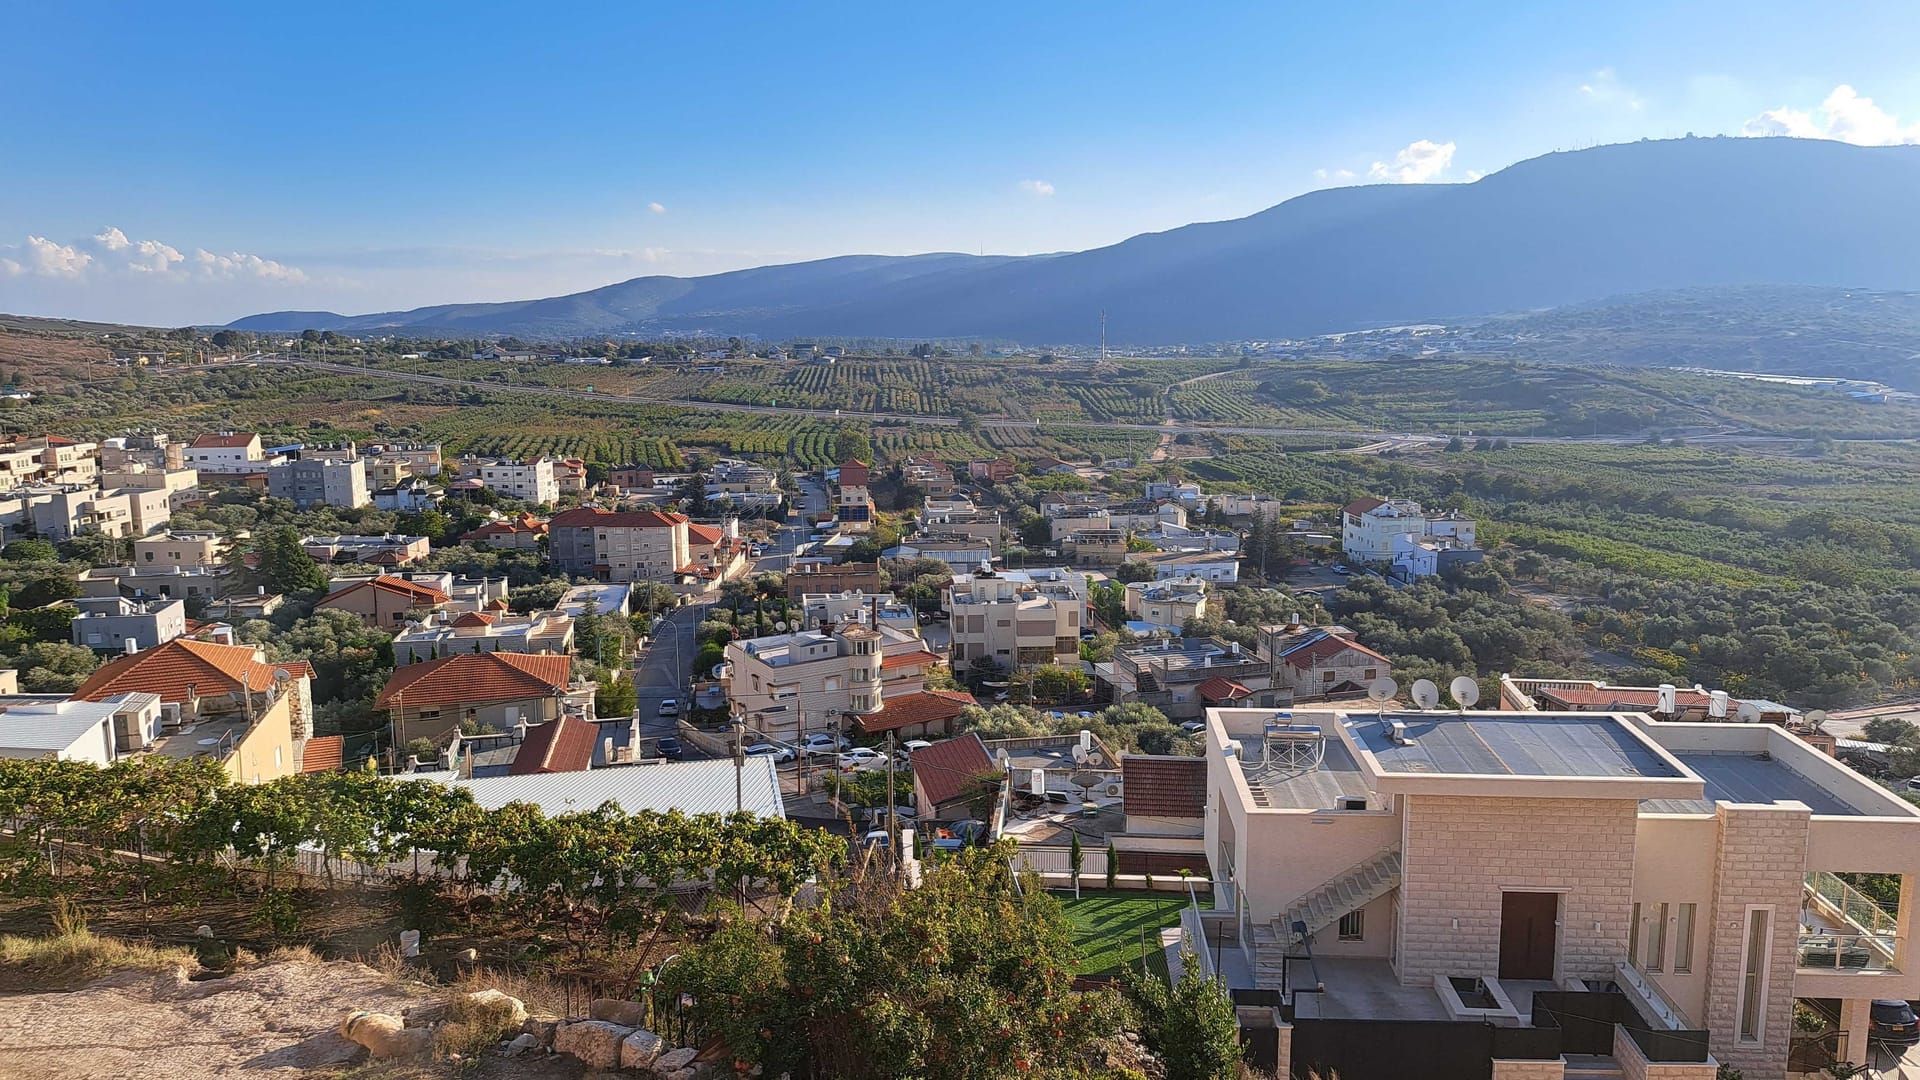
(1168, 604)
(1017, 618)
(532, 481)
(227, 452)
(1525, 868)
(1390, 532)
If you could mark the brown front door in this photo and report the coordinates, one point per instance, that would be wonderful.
(1527, 934)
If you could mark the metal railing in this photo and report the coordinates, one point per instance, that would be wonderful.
(1820, 950)
(1855, 907)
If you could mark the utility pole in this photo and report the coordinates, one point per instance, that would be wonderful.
(893, 821)
(739, 764)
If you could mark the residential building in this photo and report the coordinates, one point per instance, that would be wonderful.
(1096, 547)
(1163, 804)
(631, 477)
(222, 701)
(954, 779)
(959, 517)
(476, 691)
(878, 610)
(67, 461)
(853, 473)
(312, 481)
(1183, 676)
(962, 554)
(422, 459)
(1016, 619)
(1321, 661)
(1676, 880)
(570, 476)
(928, 475)
(531, 481)
(813, 577)
(690, 787)
(386, 472)
(139, 582)
(1219, 568)
(384, 601)
(116, 624)
(181, 550)
(1178, 490)
(599, 599)
(793, 684)
(462, 593)
(1165, 605)
(716, 554)
(1693, 704)
(729, 476)
(410, 496)
(392, 549)
(997, 471)
(180, 485)
(471, 632)
(919, 714)
(521, 532)
(1411, 541)
(62, 513)
(619, 545)
(70, 729)
(227, 453)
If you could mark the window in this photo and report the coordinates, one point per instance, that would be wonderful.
(1326, 676)
(1657, 939)
(1370, 674)
(1633, 938)
(1683, 941)
(1353, 926)
(1753, 977)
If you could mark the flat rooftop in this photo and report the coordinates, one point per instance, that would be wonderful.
(1750, 778)
(1319, 788)
(1510, 744)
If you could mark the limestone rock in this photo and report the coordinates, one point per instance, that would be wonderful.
(386, 1037)
(522, 1043)
(511, 1010)
(674, 1060)
(595, 1042)
(542, 1028)
(640, 1049)
(616, 1011)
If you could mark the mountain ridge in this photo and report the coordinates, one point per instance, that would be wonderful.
(1563, 228)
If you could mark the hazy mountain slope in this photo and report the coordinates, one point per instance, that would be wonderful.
(1559, 229)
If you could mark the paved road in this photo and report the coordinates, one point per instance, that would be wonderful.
(1408, 438)
(665, 670)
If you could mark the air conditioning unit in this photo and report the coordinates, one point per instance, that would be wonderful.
(1113, 790)
(1353, 802)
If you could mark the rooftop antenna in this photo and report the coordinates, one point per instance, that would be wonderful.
(1425, 694)
(1379, 691)
(1465, 691)
(1749, 713)
(1815, 717)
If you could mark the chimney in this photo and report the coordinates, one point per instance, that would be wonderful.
(131, 646)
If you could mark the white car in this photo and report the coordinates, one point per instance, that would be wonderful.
(780, 754)
(669, 707)
(823, 745)
(915, 744)
(860, 757)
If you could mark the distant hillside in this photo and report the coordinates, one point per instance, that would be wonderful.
(1560, 229)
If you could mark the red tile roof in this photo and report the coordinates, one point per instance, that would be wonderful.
(1625, 697)
(563, 745)
(475, 618)
(705, 534)
(919, 707)
(593, 517)
(1325, 647)
(323, 753)
(169, 670)
(1361, 506)
(231, 441)
(476, 678)
(397, 586)
(1221, 688)
(1174, 787)
(951, 768)
(892, 661)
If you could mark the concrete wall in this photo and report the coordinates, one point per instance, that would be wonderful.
(1761, 862)
(1673, 865)
(1461, 854)
(1635, 1066)
(1508, 1069)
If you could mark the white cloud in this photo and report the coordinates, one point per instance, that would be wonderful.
(237, 264)
(1605, 88)
(1420, 162)
(1038, 188)
(48, 259)
(143, 256)
(10, 268)
(655, 208)
(1844, 115)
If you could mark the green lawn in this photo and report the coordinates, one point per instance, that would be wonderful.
(1113, 930)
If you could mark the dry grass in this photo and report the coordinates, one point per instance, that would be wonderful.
(73, 956)
(472, 1028)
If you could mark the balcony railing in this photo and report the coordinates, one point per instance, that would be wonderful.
(1821, 950)
(1852, 905)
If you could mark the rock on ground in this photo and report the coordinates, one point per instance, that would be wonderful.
(278, 1020)
(595, 1042)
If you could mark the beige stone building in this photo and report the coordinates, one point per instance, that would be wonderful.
(180, 549)
(788, 686)
(480, 691)
(1665, 890)
(1016, 618)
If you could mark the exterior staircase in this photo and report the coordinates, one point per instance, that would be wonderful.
(1358, 886)
(1592, 1067)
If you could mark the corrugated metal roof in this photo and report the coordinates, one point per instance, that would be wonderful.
(691, 787)
(55, 726)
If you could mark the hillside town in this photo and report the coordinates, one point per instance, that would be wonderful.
(1145, 691)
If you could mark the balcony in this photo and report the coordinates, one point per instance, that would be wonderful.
(1848, 945)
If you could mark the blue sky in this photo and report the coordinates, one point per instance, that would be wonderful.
(172, 163)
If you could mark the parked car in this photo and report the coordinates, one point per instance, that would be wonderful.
(779, 753)
(915, 744)
(877, 838)
(669, 707)
(671, 749)
(823, 745)
(1194, 727)
(1341, 569)
(860, 757)
(1894, 1023)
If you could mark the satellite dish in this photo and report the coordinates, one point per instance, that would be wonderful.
(1816, 717)
(1381, 689)
(1425, 693)
(1748, 712)
(780, 624)
(1465, 690)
